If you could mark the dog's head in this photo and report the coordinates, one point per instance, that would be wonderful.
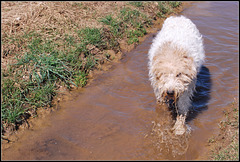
(173, 72)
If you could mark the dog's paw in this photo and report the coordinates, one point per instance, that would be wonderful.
(179, 127)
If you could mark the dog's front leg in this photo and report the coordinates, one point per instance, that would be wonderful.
(179, 127)
(182, 109)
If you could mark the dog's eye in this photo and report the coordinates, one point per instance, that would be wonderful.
(178, 74)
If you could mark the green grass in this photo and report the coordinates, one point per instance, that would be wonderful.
(32, 81)
(80, 78)
(166, 7)
(129, 23)
(46, 59)
(37, 73)
(116, 26)
(163, 7)
(174, 4)
(229, 153)
(12, 101)
(43, 63)
(91, 36)
(134, 34)
(136, 3)
(229, 132)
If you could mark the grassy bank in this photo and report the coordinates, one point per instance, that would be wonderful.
(225, 146)
(49, 45)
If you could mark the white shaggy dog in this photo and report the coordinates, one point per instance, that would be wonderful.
(175, 58)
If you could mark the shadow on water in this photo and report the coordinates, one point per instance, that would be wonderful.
(202, 94)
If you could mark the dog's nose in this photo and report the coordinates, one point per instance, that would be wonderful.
(170, 92)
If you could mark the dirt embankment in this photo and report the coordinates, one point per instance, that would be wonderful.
(225, 145)
(50, 48)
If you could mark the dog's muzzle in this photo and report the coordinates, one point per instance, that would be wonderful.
(170, 98)
(170, 95)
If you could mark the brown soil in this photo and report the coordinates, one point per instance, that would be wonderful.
(224, 143)
(18, 17)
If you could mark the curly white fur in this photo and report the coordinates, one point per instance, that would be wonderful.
(175, 58)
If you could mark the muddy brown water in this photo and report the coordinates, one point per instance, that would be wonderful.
(116, 116)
